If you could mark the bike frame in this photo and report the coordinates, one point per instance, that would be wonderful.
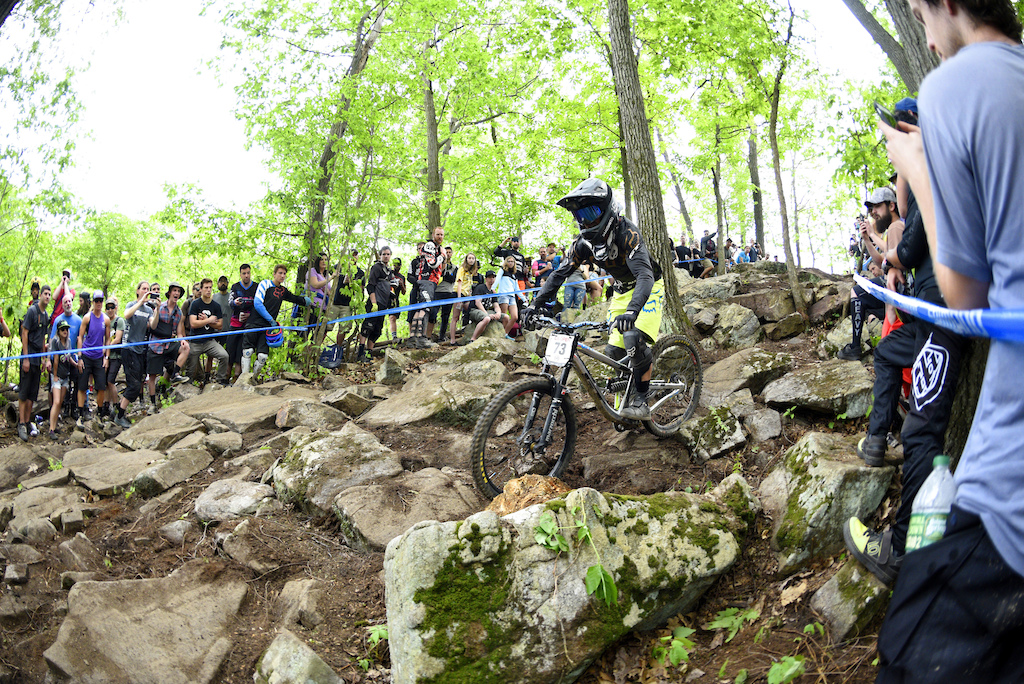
(591, 387)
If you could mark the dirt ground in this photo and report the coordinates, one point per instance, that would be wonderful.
(353, 600)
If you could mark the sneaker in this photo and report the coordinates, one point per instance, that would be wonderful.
(23, 432)
(424, 343)
(849, 353)
(872, 450)
(53, 435)
(636, 407)
(33, 431)
(178, 379)
(122, 421)
(892, 440)
(873, 550)
(364, 358)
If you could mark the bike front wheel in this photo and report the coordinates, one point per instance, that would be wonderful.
(676, 381)
(508, 440)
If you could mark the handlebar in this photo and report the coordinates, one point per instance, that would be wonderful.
(546, 322)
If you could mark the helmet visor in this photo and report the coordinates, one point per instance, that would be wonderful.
(587, 216)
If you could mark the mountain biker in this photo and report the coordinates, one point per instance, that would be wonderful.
(614, 243)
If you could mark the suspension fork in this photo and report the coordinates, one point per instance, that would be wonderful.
(558, 390)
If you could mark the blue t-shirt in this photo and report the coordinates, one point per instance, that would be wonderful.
(974, 138)
(75, 321)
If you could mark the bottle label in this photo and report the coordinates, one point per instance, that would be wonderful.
(925, 529)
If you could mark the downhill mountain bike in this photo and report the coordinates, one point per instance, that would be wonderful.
(530, 426)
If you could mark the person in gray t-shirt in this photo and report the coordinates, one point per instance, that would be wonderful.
(954, 612)
(133, 355)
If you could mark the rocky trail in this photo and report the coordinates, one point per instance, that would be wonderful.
(239, 535)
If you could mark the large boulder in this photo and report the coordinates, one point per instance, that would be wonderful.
(769, 305)
(289, 660)
(180, 466)
(309, 412)
(737, 327)
(230, 499)
(719, 287)
(850, 600)
(18, 462)
(447, 400)
(322, 466)
(240, 410)
(484, 600)
(751, 368)
(372, 515)
(818, 486)
(488, 373)
(174, 629)
(106, 471)
(392, 368)
(482, 349)
(346, 401)
(157, 432)
(842, 335)
(833, 386)
(713, 435)
(789, 326)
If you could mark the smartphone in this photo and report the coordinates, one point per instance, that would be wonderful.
(886, 116)
(154, 295)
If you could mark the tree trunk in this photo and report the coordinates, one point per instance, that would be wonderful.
(643, 166)
(912, 58)
(716, 182)
(755, 180)
(796, 215)
(678, 190)
(360, 54)
(794, 283)
(433, 179)
(965, 402)
(627, 186)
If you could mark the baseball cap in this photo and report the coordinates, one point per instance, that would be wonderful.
(84, 294)
(63, 324)
(490, 274)
(879, 196)
(907, 104)
(98, 295)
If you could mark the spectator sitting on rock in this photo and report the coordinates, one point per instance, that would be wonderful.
(485, 310)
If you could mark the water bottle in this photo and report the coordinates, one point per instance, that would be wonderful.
(931, 506)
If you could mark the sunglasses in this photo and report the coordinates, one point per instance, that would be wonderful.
(111, 306)
(587, 215)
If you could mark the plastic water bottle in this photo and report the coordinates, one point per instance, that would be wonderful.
(931, 506)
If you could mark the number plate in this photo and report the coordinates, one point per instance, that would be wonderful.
(559, 349)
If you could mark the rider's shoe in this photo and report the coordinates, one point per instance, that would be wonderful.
(636, 407)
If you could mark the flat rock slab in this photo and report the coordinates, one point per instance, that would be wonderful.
(486, 372)
(167, 472)
(483, 349)
(832, 386)
(373, 515)
(18, 462)
(159, 431)
(230, 499)
(309, 412)
(322, 466)
(447, 400)
(107, 471)
(176, 629)
(347, 402)
(46, 503)
(752, 368)
(240, 410)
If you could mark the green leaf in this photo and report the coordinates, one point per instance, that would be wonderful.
(786, 670)
(741, 677)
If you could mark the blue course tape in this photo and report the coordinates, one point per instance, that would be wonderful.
(1006, 325)
(241, 331)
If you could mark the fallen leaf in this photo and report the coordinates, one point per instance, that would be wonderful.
(791, 594)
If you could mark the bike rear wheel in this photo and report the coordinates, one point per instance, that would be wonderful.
(505, 436)
(675, 361)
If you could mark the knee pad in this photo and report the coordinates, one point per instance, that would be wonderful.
(260, 360)
(246, 359)
(640, 355)
(616, 353)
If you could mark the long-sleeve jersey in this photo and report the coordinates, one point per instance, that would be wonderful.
(628, 261)
(267, 304)
(521, 263)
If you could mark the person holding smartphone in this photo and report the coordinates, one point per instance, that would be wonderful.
(133, 355)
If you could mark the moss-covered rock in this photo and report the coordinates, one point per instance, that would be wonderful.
(483, 600)
(850, 600)
(751, 368)
(448, 400)
(712, 435)
(819, 485)
(833, 386)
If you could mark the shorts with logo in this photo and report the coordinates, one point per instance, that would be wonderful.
(649, 320)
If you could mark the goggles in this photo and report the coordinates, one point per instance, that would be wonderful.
(587, 215)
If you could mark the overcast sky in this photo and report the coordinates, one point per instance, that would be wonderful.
(157, 114)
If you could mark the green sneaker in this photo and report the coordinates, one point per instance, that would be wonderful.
(873, 550)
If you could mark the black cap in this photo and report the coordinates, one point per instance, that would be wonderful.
(490, 274)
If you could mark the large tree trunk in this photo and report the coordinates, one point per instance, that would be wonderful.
(360, 54)
(716, 182)
(794, 283)
(643, 165)
(434, 182)
(755, 181)
(912, 58)
(965, 401)
(678, 190)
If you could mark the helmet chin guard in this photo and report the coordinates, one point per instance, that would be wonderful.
(591, 204)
